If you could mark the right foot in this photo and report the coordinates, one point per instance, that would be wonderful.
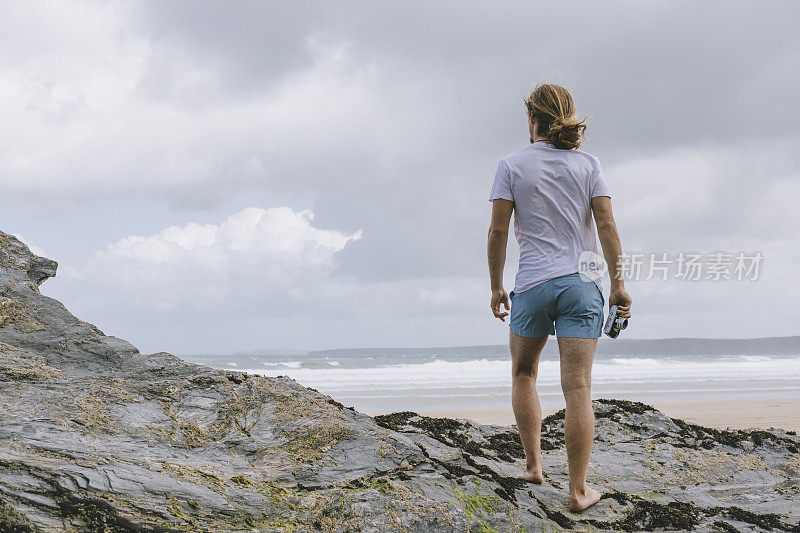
(579, 502)
(533, 475)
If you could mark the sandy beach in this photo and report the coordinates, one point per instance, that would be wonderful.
(762, 413)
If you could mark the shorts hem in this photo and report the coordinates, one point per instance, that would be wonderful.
(580, 332)
(527, 335)
(577, 336)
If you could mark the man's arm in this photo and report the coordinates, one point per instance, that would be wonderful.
(498, 240)
(612, 249)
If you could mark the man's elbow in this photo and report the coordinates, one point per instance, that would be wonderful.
(605, 223)
(498, 233)
(606, 227)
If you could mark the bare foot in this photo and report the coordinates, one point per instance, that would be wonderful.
(533, 475)
(579, 502)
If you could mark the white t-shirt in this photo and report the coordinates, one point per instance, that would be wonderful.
(552, 191)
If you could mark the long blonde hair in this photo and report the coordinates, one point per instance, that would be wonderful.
(554, 110)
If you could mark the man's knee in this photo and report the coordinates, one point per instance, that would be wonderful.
(523, 369)
(575, 383)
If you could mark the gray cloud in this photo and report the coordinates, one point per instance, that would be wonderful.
(390, 118)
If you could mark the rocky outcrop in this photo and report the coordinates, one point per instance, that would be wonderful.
(95, 436)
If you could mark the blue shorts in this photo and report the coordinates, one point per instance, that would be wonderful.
(574, 305)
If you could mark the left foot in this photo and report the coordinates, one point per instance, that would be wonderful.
(533, 475)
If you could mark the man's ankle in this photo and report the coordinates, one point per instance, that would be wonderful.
(580, 491)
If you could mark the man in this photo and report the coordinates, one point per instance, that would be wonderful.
(554, 191)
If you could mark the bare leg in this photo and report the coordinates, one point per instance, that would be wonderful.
(525, 354)
(576, 382)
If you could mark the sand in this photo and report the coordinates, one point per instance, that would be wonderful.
(761, 413)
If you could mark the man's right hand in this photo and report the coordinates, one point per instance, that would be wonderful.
(499, 300)
(622, 300)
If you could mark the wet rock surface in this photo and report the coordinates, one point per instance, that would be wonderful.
(95, 436)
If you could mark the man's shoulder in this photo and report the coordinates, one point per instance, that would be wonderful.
(518, 155)
(588, 164)
(593, 159)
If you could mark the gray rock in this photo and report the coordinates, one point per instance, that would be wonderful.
(99, 437)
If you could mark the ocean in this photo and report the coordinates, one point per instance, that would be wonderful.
(478, 377)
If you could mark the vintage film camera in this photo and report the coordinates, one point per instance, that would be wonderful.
(614, 323)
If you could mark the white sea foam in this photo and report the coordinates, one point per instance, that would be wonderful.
(282, 364)
(626, 373)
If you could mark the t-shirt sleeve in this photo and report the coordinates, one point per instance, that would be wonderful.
(501, 188)
(599, 185)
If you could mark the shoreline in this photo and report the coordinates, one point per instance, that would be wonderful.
(750, 413)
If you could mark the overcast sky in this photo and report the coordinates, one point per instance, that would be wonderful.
(222, 176)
